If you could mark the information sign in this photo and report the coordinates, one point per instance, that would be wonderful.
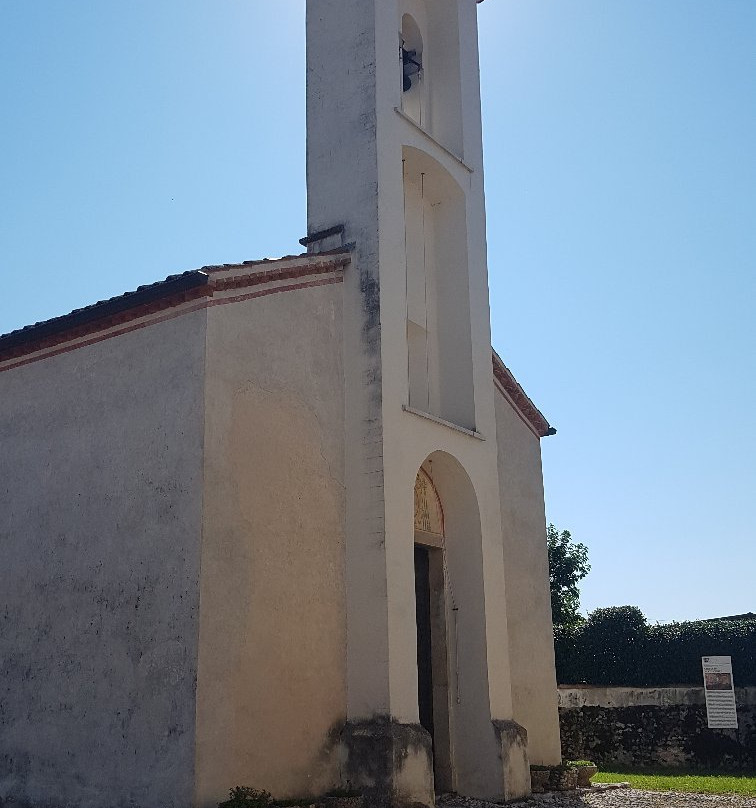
(721, 712)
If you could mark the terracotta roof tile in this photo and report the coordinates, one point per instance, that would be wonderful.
(524, 404)
(149, 293)
(104, 308)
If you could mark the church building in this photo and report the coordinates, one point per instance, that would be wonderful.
(280, 524)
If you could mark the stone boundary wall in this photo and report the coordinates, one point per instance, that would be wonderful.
(661, 726)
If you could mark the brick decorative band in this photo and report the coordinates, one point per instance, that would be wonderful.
(203, 298)
(508, 385)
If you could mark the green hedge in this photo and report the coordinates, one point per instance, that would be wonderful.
(617, 646)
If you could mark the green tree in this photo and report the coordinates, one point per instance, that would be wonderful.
(568, 565)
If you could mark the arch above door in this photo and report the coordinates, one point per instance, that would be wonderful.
(429, 513)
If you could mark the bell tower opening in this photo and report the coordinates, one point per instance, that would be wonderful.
(431, 81)
(414, 97)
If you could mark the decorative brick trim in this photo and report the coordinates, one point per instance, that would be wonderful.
(340, 254)
(524, 406)
(278, 274)
(101, 337)
(70, 339)
(105, 323)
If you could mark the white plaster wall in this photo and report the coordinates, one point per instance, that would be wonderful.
(100, 524)
(342, 188)
(408, 440)
(526, 564)
(356, 140)
(272, 665)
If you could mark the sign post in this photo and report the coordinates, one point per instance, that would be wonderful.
(721, 711)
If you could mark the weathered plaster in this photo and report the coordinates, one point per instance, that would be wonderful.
(342, 183)
(531, 644)
(100, 520)
(271, 688)
(513, 740)
(388, 761)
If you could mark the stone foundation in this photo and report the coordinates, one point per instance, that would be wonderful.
(513, 742)
(389, 762)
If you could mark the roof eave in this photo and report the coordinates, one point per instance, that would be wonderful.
(520, 399)
(174, 285)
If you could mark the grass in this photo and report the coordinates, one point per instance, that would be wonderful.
(678, 780)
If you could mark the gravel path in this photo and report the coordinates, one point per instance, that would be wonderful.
(632, 798)
(616, 798)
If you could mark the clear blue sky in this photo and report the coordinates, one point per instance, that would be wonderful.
(145, 138)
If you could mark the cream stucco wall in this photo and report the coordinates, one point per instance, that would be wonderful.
(526, 565)
(100, 527)
(272, 651)
(409, 438)
(193, 471)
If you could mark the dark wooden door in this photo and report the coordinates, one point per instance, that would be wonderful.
(424, 656)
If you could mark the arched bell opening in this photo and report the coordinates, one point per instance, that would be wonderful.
(414, 91)
(430, 66)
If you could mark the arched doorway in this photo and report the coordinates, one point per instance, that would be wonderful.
(449, 542)
(432, 606)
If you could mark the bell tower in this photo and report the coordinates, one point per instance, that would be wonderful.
(395, 173)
